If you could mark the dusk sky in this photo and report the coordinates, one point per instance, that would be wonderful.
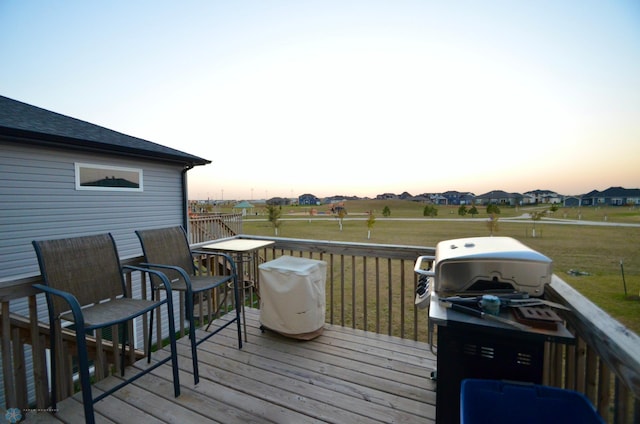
(347, 97)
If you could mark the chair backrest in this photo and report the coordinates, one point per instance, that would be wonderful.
(87, 267)
(167, 246)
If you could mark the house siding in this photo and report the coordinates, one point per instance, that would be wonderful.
(39, 200)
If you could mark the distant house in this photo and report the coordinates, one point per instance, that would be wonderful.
(571, 201)
(544, 196)
(499, 197)
(438, 199)
(458, 198)
(467, 198)
(613, 196)
(405, 196)
(453, 197)
(590, 199)
(421, 198)
(63, 177)
(279, 201)
(529, 199)
(386, 196)
(308, 200)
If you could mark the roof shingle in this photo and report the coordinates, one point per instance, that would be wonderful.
(28, 123)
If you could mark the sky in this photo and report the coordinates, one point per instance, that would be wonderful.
(347, 97)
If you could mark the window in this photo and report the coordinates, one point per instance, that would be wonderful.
(113, 178)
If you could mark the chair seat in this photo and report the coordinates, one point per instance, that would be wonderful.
(201, 282)
(112, 311)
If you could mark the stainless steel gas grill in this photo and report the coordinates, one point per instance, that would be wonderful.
(471, 287)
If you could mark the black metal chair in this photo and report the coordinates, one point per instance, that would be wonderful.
(84, 284)
(168, 249)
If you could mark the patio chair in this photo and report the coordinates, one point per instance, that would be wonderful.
(84, 284)
(167, 249)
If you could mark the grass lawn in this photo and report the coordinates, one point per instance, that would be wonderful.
(592, 249)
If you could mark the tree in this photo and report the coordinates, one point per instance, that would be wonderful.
(492, 223)
(462, 210)
(536, 216)
(370, 221)
(492, 208)
(430, 211)
(274, 212)
(386, 212)
(342, 212)
(473, 211)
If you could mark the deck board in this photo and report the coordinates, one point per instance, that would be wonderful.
(345, 375)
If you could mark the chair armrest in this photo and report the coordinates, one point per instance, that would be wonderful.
(148, 266)
(163, 278)
(71, 300)
(227, 257)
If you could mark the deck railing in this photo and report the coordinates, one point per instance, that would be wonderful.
(212, 226)
(371, 287)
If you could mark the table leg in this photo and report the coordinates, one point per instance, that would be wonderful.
(241, 287)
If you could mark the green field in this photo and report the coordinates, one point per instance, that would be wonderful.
(590, 249)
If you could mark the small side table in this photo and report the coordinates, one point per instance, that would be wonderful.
(238, 248)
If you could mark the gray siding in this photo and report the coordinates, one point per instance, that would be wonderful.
(39, 200)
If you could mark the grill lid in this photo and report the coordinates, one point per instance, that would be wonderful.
(486, 264)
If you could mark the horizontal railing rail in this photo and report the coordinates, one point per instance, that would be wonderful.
(371, 287)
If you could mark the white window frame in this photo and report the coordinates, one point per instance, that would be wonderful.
(81, 168)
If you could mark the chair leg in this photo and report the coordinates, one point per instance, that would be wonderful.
(174, 348)
(54, 372)
(153, 297)
(243, 300)
(83, 365)
(237, 300)
(192, 335)
(125, 339)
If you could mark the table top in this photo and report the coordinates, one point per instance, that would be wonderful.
(238, 245)
(442, 316)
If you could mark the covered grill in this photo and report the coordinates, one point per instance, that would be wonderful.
(292, 296)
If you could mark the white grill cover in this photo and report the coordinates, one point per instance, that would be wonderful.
(292, 295)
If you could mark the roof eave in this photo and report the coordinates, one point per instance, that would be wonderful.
(96, 146)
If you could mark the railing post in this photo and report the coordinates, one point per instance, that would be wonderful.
(40, 375)
(7, 366)
(331, 287)
(377, 295)
(402, 299)
(591, 377)
(390, 298)
(354, 289)
(365, 299)
(604, 391)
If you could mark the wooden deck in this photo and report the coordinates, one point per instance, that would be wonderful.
(343, 376)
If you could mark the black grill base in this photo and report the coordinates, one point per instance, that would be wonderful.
(481, 354)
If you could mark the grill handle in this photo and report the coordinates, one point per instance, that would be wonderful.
(418, 267)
